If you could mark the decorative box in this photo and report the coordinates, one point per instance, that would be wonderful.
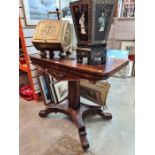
(53, 35)
(92, 20)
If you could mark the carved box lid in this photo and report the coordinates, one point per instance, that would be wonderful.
(52, 32)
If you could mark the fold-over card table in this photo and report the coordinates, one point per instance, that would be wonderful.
(69, 69)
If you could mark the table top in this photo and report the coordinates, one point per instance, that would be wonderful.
(71, 66)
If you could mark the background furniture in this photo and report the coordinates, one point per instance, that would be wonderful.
(27, 34)
(72, 71)
(26, 66)
(122, 29)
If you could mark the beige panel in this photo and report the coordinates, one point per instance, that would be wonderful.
(112, 32)
(117, 44)
(23, 23)
(20, 3)
(32, 50)
(34, 73)
(110, 43)
(125, 29)
(74, 39)
(35, 80)
(28, 41)
(37, 91)
(36, 86)
(114, 44)
(33, 67)
(28, 32)
(21, 13)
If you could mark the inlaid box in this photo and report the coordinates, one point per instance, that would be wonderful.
(53, 35)
(92, 20)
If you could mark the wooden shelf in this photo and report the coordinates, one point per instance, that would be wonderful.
(23, 67)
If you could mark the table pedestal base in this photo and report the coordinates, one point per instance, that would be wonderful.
(77, 117)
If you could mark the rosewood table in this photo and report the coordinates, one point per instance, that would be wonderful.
(69, 69)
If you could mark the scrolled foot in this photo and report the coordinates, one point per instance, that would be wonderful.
(104, 115)
(43, 113)
(107, 116)
(84, 140)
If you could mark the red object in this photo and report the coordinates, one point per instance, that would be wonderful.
(26, 92)
(132, 57)
(22, 61)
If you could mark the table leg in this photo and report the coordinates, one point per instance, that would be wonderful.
(74, 94)
(76, 111)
